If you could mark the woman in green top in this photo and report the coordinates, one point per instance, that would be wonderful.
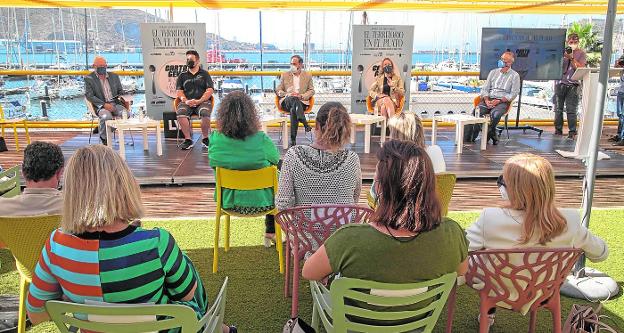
(237, 144)
(402, 243)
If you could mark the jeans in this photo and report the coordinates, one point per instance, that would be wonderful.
(107, 115)
(620, 114)
(567, 96)
(296, 108)
(496, 113)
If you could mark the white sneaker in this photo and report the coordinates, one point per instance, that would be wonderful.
(268, 241)
(490, 319)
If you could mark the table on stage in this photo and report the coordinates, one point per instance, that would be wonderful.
(134, 123)
(460, 120)
(367, 120)
(266, 121)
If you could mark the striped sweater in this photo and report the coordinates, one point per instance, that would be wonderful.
(130, 266)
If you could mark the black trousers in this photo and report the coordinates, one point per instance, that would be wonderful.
(567, 98)
(296, 108)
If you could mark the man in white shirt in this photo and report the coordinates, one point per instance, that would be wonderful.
(501, 88)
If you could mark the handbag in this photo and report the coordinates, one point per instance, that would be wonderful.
(297, 325)
(585, 319)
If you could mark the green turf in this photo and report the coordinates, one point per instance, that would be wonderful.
(255, 301)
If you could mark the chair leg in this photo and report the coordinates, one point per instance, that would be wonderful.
(215, 257)
(21, 324)
(287, 270)
(280, 247)
(26, 131)
(450, 308)
(315, 317)
(507, 125)
(91, 130)
(295, 288)
(555, 310)
(532, 321)
(227, 233)
(15, 136)
(483, 318)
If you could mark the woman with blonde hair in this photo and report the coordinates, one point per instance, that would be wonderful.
(98, 255)
(407, 126)
(530, 218)
(324, 172)
(387, 90)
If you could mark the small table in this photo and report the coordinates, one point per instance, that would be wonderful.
(126, 124)
(367, 120)
(460, 121)
(266, 121)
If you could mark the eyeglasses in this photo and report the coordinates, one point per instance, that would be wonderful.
(573, 42)
(501, 181)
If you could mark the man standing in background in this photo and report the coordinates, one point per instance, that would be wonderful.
(567, 90)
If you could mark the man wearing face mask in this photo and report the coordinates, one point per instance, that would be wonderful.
(295, 89)
(194, 89)
(501, 88)
(103, 90)
(567, 90)
(42, 169)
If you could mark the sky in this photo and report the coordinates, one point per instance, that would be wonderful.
(330, 30)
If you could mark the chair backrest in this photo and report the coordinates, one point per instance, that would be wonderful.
(445, 184)
(309, 226)
(278, 105)
(111, 316)
(245, 180)
(517, 277)
(10, 187)
(25, 236)
(396, 311)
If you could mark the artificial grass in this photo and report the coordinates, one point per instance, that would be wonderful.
(255, 300)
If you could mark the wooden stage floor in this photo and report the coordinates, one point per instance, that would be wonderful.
(191, 167)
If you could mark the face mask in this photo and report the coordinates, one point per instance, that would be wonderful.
(503, 192)
(501, 64)
(574, 46)
(293, 68)
(388, 69)
(190, 63)
(100, 70)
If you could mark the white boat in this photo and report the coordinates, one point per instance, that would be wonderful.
(229, 85)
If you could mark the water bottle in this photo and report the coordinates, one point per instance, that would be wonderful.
(141, 113)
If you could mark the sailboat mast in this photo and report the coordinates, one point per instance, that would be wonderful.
(19, 51)
(25, 34)
(306, 43)
(63, 31)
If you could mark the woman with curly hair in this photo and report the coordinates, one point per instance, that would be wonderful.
(237, 144)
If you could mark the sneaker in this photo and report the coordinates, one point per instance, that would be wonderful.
(558, 132)
(205, 142)
(614, 138)
(572, 135)
(104, 141)
(308, 128)
(269, 241)
(490, 319)
(187, 144)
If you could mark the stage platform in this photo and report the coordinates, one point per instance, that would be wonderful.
(177, 166)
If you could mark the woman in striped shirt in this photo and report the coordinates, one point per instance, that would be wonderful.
(97, 255)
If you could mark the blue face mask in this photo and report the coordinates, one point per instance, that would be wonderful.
(501, 63)
(101, 70)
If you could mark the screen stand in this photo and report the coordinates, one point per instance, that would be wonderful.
(524, 128)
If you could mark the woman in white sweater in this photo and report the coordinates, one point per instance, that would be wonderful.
(530, 218)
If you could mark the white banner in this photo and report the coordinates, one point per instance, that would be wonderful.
(371, 44)
(164, 47)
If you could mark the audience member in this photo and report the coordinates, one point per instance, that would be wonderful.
(567, 90)
(96, 253)
(194, 89)
(408, 126)
(387, 90)
(406, 230)
(295, 90)
(324, 172)
(501, 88)
(42, 169)
(103, 89)
(238, 145)
(530, 217)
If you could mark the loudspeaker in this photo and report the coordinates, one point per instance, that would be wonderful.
(171, 125)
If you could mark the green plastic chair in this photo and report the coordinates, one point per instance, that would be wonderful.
(330, 307)
(11, 187)
(178, 316)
